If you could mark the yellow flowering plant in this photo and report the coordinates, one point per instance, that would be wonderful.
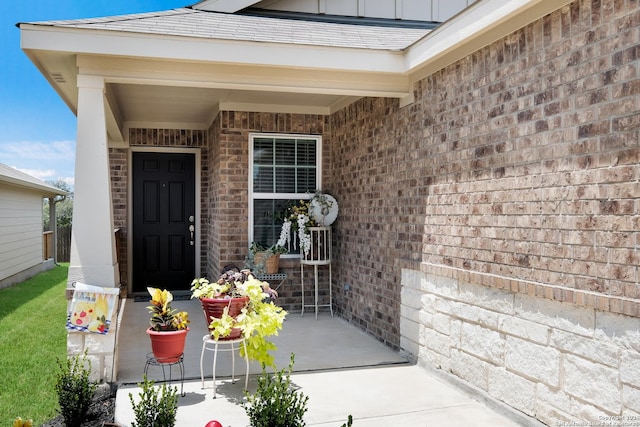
(163, 317)
(258, 320)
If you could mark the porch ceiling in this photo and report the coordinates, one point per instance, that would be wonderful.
(158, 74)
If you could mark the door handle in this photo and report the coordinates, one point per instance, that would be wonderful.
(191, 230)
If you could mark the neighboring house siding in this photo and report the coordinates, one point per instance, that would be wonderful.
(20, 230)
(505, 200)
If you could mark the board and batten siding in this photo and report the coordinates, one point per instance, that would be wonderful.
(20, 230)
(418, 10)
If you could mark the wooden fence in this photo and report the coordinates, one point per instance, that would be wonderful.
(63, 251)
(63, 248)
(64, 244)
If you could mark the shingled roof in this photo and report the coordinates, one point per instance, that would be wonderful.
(9, 175)
(188, 22)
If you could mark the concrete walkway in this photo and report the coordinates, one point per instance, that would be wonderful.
(342, 370)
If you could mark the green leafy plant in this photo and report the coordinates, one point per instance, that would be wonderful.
(163, 317)
(157, 406)
(349, 422)
(258, 320)
(75, 389)
(276, 403)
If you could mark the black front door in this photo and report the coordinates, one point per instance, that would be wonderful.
(163, 221)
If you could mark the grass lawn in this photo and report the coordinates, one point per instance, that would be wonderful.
(32, 338)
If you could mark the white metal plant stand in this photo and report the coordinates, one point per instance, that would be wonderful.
(207, 341)
(319, 255)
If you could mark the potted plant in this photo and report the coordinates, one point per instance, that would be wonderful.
(255, 317)
(169, 327)
(261, 259)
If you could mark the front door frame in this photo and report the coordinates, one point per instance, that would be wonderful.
(198, 203)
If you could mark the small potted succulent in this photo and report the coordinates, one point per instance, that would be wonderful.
(255, 316)
(169, 327)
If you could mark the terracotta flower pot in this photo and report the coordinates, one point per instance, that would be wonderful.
(167, 346)
(214, 307)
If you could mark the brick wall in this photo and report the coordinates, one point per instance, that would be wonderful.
(119, 164)
(517, 167)
(228, 238)
(509, 191)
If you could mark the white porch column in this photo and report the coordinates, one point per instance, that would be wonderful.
(93, 247)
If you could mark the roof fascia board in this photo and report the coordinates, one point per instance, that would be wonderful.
(242, 77)
(43, 189)
(226, 6)
(475, 27)
(114, 43)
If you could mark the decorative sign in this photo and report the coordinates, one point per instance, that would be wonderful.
(91, 308)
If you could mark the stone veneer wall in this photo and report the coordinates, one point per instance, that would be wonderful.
(227, 223)
(499, 214)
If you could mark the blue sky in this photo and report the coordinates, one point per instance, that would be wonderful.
(37, 130)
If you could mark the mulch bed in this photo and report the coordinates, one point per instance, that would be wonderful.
(101, 413)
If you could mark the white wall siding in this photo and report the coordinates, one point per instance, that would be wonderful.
(420, 10)
(20, 230)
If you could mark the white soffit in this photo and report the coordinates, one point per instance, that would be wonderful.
(225, 6)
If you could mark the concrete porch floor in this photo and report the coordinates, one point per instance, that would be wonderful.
(342, 370)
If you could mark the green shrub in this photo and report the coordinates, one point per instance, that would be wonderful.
(156, 408)
(276, 403)
(75, 390)
(349, 422)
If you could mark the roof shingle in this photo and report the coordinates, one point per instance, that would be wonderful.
(202, 24)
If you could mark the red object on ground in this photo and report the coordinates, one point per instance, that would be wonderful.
(213, 423)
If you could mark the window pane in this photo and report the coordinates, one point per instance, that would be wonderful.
(286, 166)
(285, 151)
(263, 179)
(263, 151)
(306, 180)
(306, 151)
(263, 226)
(263, 165)
(267, 220)
(286, 180)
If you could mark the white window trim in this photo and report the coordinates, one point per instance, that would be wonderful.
(252, 195)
